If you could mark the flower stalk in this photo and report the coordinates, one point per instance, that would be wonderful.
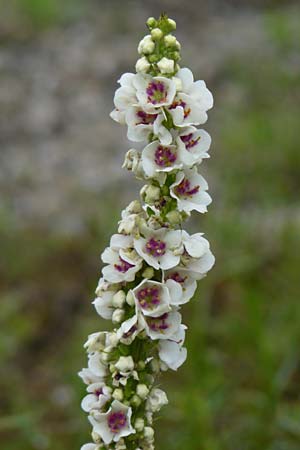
(152, 264)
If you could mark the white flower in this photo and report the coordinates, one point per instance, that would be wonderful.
(197, 258)
(193, 145)
(158, 246)
(125, 364)
(166, 65)
(162, 133)
(98, 395)
(123, 262)
(154, 298)
(96, 341)
(165, 326)
(130, 327)
(156, 400)
(125, 96)
(140, 123)
(113, 424)
(190, 105)
(142, 65)
(95, 365)
(103, 304)
(187, 283)
(159, 158)
(189, 189)
(154, 92)
(146, 45)
(172, 354)
(89, 377)
(90, 446)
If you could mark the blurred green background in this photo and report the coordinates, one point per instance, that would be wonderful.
(62, 190)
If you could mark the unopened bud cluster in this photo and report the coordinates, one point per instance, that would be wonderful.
(152, 264)
(159, 50)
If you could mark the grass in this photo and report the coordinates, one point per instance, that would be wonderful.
(239, 389)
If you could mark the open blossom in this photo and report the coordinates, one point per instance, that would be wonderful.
(152, 265)
(159, 248)
(189, 189)
(160, 158)
(193, 145)
(153, 93)
(113, 424)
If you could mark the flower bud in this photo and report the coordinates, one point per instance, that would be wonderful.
(139, 424)
(156, 34)
(130, 299)
(151, 22)
(118, 394)
(146, 46)
(174, 217)
(141, 365)
(172, 24)
(135, 401)
(118, 315)
(150, 193)
(112, 368)
(142, 391)
(96, 437)
(132, 158)
(134, 207)
(170, 40)
(118, 299)
(125, 364)
(155, 365)
(120, 445)
(166, 65)
(148, 273)
(142, 65)
(148, 433)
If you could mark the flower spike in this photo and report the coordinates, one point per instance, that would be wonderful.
(152, 264)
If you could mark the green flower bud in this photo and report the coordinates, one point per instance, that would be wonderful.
(174, 217)
(151, 22)
(170, 40)
(172, 24)
(156, 34)
(148, 273)
(135, 400)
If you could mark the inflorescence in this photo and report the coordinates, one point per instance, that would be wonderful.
(152, 265)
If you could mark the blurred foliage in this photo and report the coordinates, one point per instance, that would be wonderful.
(239, 389)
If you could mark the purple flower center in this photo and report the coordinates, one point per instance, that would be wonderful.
(176, 277)
(164, 157)
(144, 118)
(116, 421)
(155, 247)
(123, 266)
(148, 297)
(188, 140)
(184, 189)
(156, 92)
(98, 392)
(180, 102)
(158, 324)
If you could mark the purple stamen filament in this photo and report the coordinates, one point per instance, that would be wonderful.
(184, 189)
(158, 323)
(116, 421)
(179, 102)
(176, 277)
(155, 247)
(144, 118)
(188, 140)
(156, 92)
(149, 297)
(123, 266)
(164, 157)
